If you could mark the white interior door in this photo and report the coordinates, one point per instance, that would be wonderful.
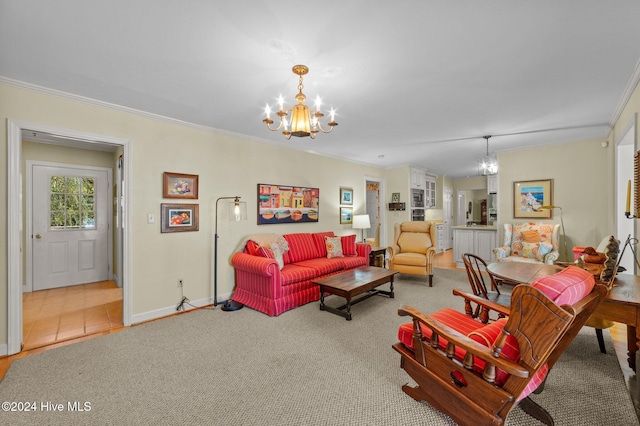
(447, 217)
(70, 225)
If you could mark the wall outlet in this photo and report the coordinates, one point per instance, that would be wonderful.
(180, 282)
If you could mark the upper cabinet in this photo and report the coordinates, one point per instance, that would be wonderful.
(492, 184)
(430, 192)
(417, 178)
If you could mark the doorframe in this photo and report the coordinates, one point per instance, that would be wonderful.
(381, 198)
(627, 139)
(28, 287)
(15, 225)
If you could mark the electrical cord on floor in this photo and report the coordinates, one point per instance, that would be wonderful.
(185, 301)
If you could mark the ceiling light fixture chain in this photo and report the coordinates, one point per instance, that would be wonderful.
(489, 163)
(303, 122)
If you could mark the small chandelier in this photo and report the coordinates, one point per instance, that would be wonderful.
(303, 122)
(489, 163)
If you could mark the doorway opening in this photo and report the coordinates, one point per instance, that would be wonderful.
(374, 208)
(18, 233)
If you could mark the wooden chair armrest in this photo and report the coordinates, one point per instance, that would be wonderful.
(478, 350)
(496, 307)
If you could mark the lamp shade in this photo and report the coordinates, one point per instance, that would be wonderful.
(361, 221)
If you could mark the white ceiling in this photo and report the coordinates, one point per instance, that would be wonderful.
(413, 82)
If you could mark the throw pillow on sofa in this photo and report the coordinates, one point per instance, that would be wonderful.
(334, 247)
(349, 245)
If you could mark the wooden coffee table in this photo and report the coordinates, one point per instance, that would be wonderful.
(353, 283)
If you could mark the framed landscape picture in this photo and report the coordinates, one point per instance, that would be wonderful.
(179, 217)
(180, 185)
(529, 196)
(346, 215)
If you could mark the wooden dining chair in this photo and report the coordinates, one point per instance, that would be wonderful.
(482, 285)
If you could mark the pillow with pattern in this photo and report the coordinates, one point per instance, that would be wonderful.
(530, 250)
(334, 247)
(543, 250)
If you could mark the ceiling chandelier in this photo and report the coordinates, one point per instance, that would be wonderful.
(488, 163)
(303, 122)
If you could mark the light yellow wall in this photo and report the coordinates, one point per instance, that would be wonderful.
(583, 176)
(227, 166)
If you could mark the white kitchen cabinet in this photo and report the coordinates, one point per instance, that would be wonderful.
(440, 241)
(430, 188)
(474, 240)
(492, 184)
(417, 178)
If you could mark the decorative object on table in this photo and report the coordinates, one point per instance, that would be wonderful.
(395, 197)
(529, 196)
(361, 221)
(303, 123)
(180, 185)
(237, 211)
(287, 204)
(564, 236)
(179, 217)
(346, 195)
(488, 164)
(346, 215)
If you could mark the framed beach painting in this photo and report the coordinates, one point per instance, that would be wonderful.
(346, 215)
(179, 217)
(180, 185)
(529, 196)
(346, 195)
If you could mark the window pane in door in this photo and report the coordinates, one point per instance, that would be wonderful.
(71, 203)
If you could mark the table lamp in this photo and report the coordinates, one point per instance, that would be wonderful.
(361, 221)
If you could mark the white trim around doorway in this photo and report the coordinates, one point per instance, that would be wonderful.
(15, 225)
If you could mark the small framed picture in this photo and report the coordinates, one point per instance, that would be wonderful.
(395, 197)
(346, 195)
(179, 185)
(179, 217)
(346, 215)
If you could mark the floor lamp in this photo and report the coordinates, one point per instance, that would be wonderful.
(361, 221)
(238, 212)
(564, 235)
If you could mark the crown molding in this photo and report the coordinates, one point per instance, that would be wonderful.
(54, 92)
(626, 95)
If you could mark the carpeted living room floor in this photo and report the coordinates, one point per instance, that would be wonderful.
(305, 367)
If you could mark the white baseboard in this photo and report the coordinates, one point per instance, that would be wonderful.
(170, 310)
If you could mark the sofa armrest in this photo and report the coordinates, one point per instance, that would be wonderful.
(363, 249)
(551, 257)
(502, 252)
(258, 275)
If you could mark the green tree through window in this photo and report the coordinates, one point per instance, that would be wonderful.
(71, 203)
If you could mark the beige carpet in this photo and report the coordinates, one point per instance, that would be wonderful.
(305, 367)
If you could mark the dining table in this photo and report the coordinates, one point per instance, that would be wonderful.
(622, 303)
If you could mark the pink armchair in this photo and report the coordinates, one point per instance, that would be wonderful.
(532, 242)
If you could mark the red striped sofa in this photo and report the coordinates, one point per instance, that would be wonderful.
(261, 285)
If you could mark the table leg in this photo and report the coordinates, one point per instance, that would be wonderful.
(348, 313)
(321, 298)
(633, 342)
(391, 295)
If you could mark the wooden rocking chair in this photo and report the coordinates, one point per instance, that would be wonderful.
(478, 376)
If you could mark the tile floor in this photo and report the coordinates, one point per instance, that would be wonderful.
(56, 315)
